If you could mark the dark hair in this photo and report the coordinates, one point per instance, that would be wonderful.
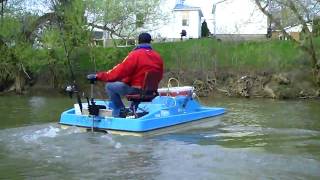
(144, 38)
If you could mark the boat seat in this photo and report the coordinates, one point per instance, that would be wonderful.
(148, 91)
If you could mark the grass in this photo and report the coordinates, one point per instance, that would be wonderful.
(203, 55)
(206, 54)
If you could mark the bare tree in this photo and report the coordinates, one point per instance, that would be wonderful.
(3, 2)
(121, 18)
(301, 12)
(124, 18)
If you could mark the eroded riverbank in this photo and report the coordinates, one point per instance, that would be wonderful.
(295, 84)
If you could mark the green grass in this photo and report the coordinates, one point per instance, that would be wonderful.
(206, 54)
(201, 55)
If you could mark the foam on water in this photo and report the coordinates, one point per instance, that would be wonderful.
(109, 138)
(46, 132)
(35, 134)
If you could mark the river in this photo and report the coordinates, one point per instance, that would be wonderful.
(255, 139)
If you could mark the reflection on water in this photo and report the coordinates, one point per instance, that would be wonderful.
(256, 139)
(16, 111)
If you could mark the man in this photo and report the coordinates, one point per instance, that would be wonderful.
(128, 76)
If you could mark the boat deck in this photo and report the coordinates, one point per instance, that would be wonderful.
(163, 112)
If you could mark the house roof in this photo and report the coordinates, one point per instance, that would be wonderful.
(297, 28)
(183, 7)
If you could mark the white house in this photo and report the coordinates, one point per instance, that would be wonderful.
(180, 16)
(225, 18)
(241, 18)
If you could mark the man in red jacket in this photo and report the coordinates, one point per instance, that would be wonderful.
(128, 76)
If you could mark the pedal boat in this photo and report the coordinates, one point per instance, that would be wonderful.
(163, 114)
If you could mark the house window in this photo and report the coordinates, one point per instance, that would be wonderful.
(185, 18)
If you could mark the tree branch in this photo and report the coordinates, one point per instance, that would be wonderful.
(294, 9)
(41, 20)
(106, 28)
(272, 19)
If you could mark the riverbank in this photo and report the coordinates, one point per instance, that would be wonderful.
(266, 69)
(296, 84)
(284, 85)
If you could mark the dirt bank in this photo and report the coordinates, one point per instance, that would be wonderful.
(286, 85)
(249, 84)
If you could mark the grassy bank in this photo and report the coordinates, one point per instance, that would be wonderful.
(209, 54)
(205, 54)
(207, 57)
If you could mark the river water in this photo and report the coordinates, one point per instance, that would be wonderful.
(255, 139)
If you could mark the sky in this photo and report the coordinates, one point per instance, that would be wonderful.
(232, 16)
(36, 6)
(238, 13)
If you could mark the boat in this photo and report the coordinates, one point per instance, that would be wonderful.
(171, 109)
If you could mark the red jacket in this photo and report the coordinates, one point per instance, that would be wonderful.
(133, 68)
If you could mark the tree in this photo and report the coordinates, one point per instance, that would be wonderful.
(3, 3)
(283, 13)
(22, 32)
(120, 18)
(63, 24)
(316, 27)
(16, 56)
(205, 32)
(123, 18)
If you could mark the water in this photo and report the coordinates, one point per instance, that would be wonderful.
(16, 111)
(256, 139)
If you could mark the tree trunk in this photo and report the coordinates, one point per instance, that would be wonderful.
(316, 73)
(19, 82)
(113, 40)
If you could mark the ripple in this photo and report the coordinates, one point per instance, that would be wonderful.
(234, 134)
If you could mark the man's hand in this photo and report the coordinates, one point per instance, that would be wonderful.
(92, 78)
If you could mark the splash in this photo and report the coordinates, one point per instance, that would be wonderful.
(115, 144)
(50, 132)
(35, 133)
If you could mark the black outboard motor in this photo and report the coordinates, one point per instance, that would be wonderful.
(93, 108)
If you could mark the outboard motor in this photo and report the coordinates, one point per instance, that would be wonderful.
(93, 108)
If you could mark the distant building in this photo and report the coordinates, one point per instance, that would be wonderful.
(238, 19)
(100, 37)
(181, 17)
(226, 19)
(296, 31)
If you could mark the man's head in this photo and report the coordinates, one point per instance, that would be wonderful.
(144, 38)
